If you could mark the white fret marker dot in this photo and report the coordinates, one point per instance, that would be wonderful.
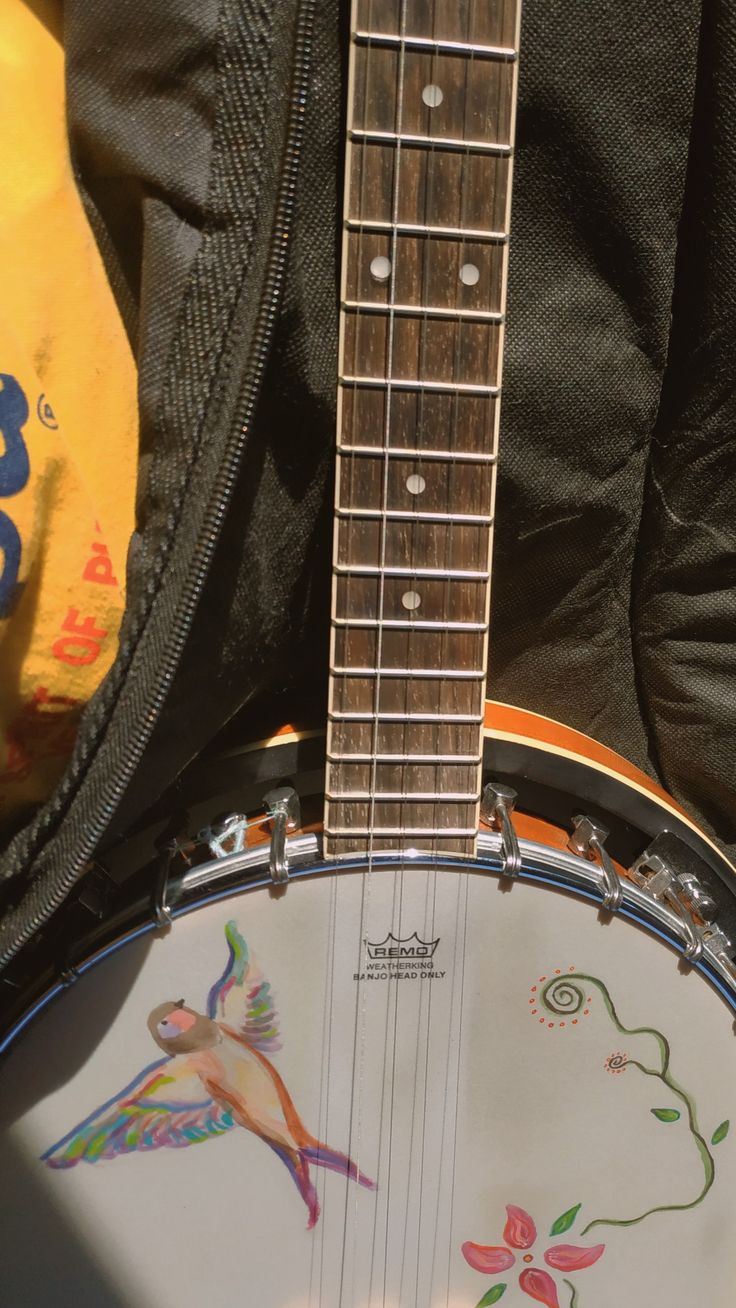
(411, 599)
(415, 484)
(432, 96)
(469, 274)
(380, 268)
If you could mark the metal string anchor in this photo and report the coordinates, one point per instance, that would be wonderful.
(496, 806)
(686, 895)
(282, 807)
(588, 839)
(160, 907)
(226, 834)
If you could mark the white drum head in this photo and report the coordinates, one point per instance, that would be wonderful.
(523, 1083)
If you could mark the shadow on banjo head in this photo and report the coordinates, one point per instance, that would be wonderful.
(485, 1078)
(80, 1267)
(65, 1055)
(506, 1125)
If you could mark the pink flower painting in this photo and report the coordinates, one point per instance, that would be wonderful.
(557, 1001)
(520, 1236)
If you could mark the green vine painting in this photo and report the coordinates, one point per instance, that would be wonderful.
(558, 1001)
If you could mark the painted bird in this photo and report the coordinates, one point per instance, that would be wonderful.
(215, 1075)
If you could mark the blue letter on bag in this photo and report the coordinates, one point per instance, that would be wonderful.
(14, 465)
(10, 556)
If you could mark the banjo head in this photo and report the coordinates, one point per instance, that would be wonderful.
(494, 1090)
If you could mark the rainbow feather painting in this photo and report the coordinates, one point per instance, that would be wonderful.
(215, 1074)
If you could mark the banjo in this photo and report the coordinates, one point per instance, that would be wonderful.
(445, 1001)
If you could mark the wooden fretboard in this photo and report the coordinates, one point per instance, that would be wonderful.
(431, 102)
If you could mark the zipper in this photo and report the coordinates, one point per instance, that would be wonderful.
(27, 919)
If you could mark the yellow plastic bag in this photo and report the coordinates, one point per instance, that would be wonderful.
(68, 425)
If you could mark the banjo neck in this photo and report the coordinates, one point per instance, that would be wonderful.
(430, 125)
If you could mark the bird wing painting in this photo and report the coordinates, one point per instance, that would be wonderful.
(215, 1075)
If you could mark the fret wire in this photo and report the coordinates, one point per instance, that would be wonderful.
(423, 229)
(404, 796)
(368, 137)
(405, 452)
(407, 515)
(423, 311)
(448, 832)
(506, 53)
(402, 624)
(415, 384)
(447, 674)
(442, 574)
(465, 759)
(468, 719)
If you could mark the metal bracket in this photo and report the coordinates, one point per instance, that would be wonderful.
(496, 806)
(160, 909)
(697, 897)
(588, 839)
(721, 945)
(283, 808)
(226, 835)
(653, 874)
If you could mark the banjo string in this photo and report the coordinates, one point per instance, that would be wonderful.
(358, 1051)
(388, 414)
(461, 890)
(359, 1037)
(391, 1021)
(423, 1025)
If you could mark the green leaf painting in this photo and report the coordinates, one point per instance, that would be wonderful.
(565, 1221)
(493, 1295)
(563, 995)
(720, 1132)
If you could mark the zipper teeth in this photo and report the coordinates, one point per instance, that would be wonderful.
(210, 531)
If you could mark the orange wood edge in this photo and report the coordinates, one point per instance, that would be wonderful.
(522, 725)
(504, 719)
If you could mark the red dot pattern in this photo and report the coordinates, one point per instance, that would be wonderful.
(533, 1000)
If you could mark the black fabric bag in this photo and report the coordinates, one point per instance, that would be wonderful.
(207, 139)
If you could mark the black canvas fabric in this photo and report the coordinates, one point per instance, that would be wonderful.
(684, 593)
(614, 600)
